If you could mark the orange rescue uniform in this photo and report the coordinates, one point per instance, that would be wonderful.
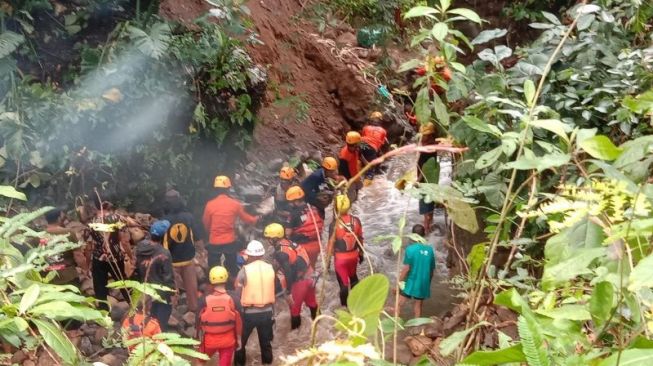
(220, 321)
(306, 228)
(352, 160)
(220, 216)
(374, 136)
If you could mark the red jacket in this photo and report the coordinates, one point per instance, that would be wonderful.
(350, 161)
(375, 136)
(220, 216)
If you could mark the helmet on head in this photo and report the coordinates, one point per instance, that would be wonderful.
(376, 115)
(274, 231)
(330, 163)
(427, 129)
(294, 193)
(287, 173)
(159, 228)
(353, 137)
(222, 181)
(217, 275)
(342, 203)
(255, 249)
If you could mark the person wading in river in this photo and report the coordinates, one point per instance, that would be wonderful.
(318, 185)
(220, 215)
(419, 266)
(305, 224)
(180, 241)
(424, 175)
(256, 279)
(346, 245)
(293, 261)
(219, 320)
(373, 139)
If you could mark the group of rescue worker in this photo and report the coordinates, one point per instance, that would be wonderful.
(245, 281)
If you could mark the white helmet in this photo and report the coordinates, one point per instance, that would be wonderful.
(255, 249)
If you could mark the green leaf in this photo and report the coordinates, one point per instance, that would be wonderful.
(420, 11)
(478, 125)
(466, 13)
(554, 126)
(551, 18)
(61, 310)
(600, 147)
(56, 338)
(9, 42)
(630, 357)
(540, 163)
(576, 265)
(190, 353)
(367, 298)
(488, 158)
(475, 259)
(29, 298)
(488, 35)
(566, 312)
(601, 302)
(500, 356)
(449, 344)
(431, 171)
(410, 65)
(532, 341)
(440, 110)
(445, 4)
(529, 92)
(462, 214)
(641, 104)
(416, 322)
(11, 192)
(642, 275)
(422, 108)
(439, 31)
(512, 300)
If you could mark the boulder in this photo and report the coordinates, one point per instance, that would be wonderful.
(119, 310)
(435, 329)
(29, 363)
(190, 332)
(189, 318)
(100, 334)
(173, 322)
(86, 346)
(111, 359)
(458, 316)
(18, 357)
(419, 344)
(87, 285)
(346, 39)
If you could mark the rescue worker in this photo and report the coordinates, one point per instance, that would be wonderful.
(317, 186)
(219, 320)
(373, 139)
(180, 241)
(305, 225)
(256, 279)
(349, 157)
(428, 134)
(140, 324)
(287, 178)
(64, 263)
(220, 215)
(292, 260)
(347, 246)
(154, 265)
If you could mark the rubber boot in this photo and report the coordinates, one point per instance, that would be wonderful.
(313, 312)
(295, 322)
(344, 293)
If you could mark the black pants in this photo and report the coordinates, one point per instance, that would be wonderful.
(344, 290)
(263, 322)
(161, 312)
(369, 154)
(230, 253)
(101, 271)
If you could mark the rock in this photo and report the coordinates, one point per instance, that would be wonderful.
(419, 344)
(332, 139)
(182, 308)
(190, 332)
(18, 357)
(435, 329)
(173, 321)
(201, 274)
(505, 314)
(111, 300)
(29, 363)
(75, 336)
(87, 285)
(403, 353)
(111, 359)
(119, 310)
(346, 39)
(189, 318)
(458, 315)
(85, 346)
(100, 334)
(275, 165)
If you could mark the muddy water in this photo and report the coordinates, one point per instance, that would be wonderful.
(380, 207)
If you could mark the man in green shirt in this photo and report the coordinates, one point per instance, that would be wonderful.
(419, 264)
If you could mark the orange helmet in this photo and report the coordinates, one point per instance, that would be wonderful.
(222, 181)
(330, 163)
(353, 137)
(294, 193)
(287, 173)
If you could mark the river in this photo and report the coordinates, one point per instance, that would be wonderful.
(380, 207)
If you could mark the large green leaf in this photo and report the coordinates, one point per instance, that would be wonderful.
(9, 42)
(449, 344)
(512, 300)
(566, 312)
(554, 126)
(475, 259)
(367, 298)
(532, 341)
(420, 11)
(529, 92)
(642, 275)
(478, 125)
(466, 13)
(489, 158)
(61, 310)
(439, 31)
(11, 192)
(630, 357)
(576, 265)
(500, 356)
(56, 338)
(462, 214)
(431, 171)
(422, 108)
(600, 147)
(488, 35)
(540, 163)
(29, 298)
(440, 110)
(641, 104)
(601, 302)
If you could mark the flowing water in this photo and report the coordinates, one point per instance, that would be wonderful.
(380, 207)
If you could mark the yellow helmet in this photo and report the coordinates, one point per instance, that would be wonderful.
(427, 129)
(274, 231)
(330, 163)
(287, 173)
(342, 203)
(218, 274)
(353, 137)
(294, 193)
(222, 181)
(376, 115)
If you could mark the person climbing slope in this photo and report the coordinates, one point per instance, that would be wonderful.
(419, 266)
(220, 215)
(318, 186)
(293, 261)
(346, 244)
(373, 139)
(287, 178)
(256, 279)
(349, 157)
(140, 323)
(305, 226)
(219, 320)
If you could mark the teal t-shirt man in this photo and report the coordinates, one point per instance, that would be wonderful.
(419, 264)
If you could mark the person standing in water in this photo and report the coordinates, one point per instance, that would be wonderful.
(416, 275)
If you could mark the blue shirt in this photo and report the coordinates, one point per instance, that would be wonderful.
(313, 184)
(421, 259)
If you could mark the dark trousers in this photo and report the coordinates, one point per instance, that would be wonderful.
(230, 253)
(101, 272)
(369, 154)
(263, 322)
(161, 312)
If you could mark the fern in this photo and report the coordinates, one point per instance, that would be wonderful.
(532, 342)
(154, 44)
(9, 42)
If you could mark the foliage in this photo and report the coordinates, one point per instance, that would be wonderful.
(163, 349)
